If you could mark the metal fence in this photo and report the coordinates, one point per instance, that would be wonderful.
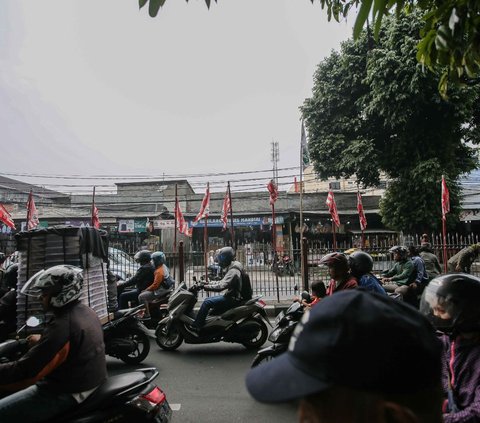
(258, 261)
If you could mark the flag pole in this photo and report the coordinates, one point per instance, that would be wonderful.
(445, 210)
(232, 229)
(302, 252)
(28, 207)
(175, 230)
(334, 236)
(205, 240)
(93, 205)
(444, 231)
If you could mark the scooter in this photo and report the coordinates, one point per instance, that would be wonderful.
(283, 328)
(122, 398)
(126, 337)
(245, 324)
(284, 266)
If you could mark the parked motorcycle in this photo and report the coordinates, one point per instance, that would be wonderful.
(283, 327)
(245, 324)
(122, 398)
(284, 266)
(126, 337)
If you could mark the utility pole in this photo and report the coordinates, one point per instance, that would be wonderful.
(275, 159)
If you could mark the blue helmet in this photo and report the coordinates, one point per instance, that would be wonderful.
(225, 256)
(158, 258)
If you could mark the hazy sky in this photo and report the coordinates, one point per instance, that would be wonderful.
(92, 87)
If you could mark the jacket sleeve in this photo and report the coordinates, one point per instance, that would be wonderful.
(50, 352)
(406, 272)
(225, 282)
(468, 414)
(158, 279)
(139, 276)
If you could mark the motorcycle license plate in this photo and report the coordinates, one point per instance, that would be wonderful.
(165, 413)
(279, 317)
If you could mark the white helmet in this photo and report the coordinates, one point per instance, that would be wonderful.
(63, 282)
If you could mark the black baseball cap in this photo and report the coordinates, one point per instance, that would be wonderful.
(354, 339)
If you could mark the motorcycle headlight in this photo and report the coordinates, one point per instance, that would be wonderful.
(275, 334)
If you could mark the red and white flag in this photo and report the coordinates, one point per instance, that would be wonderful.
(445, 198)
(361, 213)
(332, 207)
(205, 207)
(95, 218)
(32, 214)
(5, 217)
(272, 189)
(182, 224)
(226, 208)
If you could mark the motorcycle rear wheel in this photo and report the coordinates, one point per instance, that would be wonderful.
(142, 342)
(259, 339)
(168, 340)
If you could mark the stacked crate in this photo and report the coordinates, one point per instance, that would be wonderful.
(43, 248)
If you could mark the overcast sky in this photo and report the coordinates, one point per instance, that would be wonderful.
(92, 87)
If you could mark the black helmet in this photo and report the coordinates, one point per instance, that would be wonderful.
(401, 250)
(143, 257)
(361, 263)
(158, 258)
(451, 303)
(225, 256)
(11, 275)
(64, 282)
(336, 260)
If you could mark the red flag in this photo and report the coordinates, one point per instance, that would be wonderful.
(445, 198)
(361, 213)
(272, 189)
(32, 214)
(95, 219)
(5, 217)
(332, 207)
(205, 207)
(182, 224)
(226, 208)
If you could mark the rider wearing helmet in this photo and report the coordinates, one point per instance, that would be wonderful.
(158, 287)
(66, 363)
(399, 278)
(361, 265)
(231, 283)
(339, 270)
(451, 302)
(143, 277)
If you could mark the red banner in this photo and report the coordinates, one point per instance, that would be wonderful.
(32, 214)
(445, 198)
(95, 218)
(205, 207)
(332, 207)
(361, 213)
(226, 208)
(182, 224)
(5, 217)
(272, 189)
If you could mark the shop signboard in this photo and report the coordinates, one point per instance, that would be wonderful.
(240, 221)
(126, 225)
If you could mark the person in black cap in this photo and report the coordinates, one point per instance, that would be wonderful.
(357, 357)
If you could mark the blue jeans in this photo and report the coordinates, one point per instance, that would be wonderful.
(126, 296)
(219, 303)
(34, 404)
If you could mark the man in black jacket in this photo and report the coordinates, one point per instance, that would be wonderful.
(142, 279)
(66, 363)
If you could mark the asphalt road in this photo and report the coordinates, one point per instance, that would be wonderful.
(206, 383)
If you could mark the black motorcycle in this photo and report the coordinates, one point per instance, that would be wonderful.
(126, 337)
(244, 324)
(284, 325)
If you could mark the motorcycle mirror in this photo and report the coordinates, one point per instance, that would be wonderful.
(33, 322)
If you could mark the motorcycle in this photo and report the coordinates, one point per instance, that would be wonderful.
(126, 397)
(126, 337)
(283, 327)
(244, 324)
(284, 266)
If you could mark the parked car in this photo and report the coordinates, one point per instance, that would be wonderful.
(121, 264)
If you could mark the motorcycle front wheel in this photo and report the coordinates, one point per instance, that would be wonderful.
(259, 338)
(168, 339)
(142, 347)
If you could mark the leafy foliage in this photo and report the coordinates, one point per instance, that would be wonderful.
(374, 110)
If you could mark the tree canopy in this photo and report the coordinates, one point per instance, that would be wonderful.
(374, 111)
(449, 33)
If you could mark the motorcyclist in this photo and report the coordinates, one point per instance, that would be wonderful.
(339, 271)
(231, 282)
(8, 303)
(158, 287)
(361, 265)
(451, 302)
(66, 363)
(142, 279)
(399, 278)
(463, 260)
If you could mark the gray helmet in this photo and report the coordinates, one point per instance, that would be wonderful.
(336, 260)
(143, 257)
(361, 263)
(225, 256)
(158, 258)
(64, 283)
(401, 250)
(451, 303)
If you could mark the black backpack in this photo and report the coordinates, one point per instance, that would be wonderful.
(246, 290)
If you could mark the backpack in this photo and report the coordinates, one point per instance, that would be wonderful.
(169, 282)
(246, 290)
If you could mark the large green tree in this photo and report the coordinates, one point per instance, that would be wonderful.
(374, 110)
(449, 34)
